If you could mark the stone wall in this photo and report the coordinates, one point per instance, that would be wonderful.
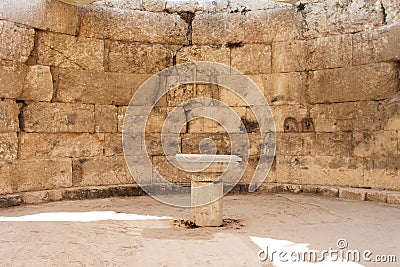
(329, 70)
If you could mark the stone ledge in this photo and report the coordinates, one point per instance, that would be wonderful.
(129, 190)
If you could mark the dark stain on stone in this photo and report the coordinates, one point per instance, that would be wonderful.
(290, 125)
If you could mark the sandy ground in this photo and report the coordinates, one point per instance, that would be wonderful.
(314, 220)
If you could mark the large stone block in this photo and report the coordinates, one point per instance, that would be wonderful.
(154, 5)
(97, 87)
(288, 118)
(25, 82)
(113, 144)
(377, 46)
(16, 42)
(283, 88)
(392, 10)
(352, 116)
(122, 4)
(379, 81)
(121, 117)
(352, 193)
(289, 56)
(203, 53)
(382, 172)
(252, 58)
(191, 143)
(330, 17)
(320, 170)
(9, 111)
(106, 118)
(48, 15)
(58, 118)
(101, 171)
(375, 144)
(391, 114)
(180, 6)
(248, 5)
(5, 178)
(186, 92)
(8, 146)
(109, 23)
(250, 27)
(66, 51)
(139, 58)
(171, 145)
(34, 175)
(60, 145)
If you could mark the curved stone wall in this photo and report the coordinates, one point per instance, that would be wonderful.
(329, 69)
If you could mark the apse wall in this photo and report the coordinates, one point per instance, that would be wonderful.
(328, 69)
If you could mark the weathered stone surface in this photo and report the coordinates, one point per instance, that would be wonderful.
(391, 114)
(203, 53)
(121, 117)
(9, 111)
(100, 171)
(391, 10)
(379, 81)
(155, 147)
(122, 4)
(283, 24)
(46, 15)
(377, 196)
(154, 5)
(191, 143)
(66, 51)
(58, 117)
(8, 201)
(97, 87)
(283, 88)
(320, 170)
(393, 198)
(247, 5)
(382, 172)
(320, 53)
(196, 6)
(5, 178)
(106, 118)
(157, 117)
(16, 42)
(60, 145)
(12, 76)
(352, 193)
(377, 46)
(38, 84)
(375, 144)
(315, 144)
(329, 17)
(139, 58)
(244, 57)
(8, 146)
(328, 191)
(288, 117)
(113, 144)
(33, 175)
(352, 116)
(123, 25)
(186, 92)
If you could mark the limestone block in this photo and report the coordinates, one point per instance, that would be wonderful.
(38, 84)
(283, 88)
(47, 15)
(203, 53)
(391, 114)
(393, 198)
(328, 191)
(122, 4)
(320, 170)
(113, 144)
(97, 87)
(12, 76)
(330, 17)
(352, 116)
(155, 147)
(391, 10)
(248, 5)
(60, 145)
(372, 144)
(34, 175)
(106, 23)
(377, 196)
(106, 118)
(154, 5)
(379, 81)
(191, 143)
(352, 193)
(57, 117)
(16, 42)
(66, 51)
(377, 46)
(5, 178)
(186, 92)
(222, 28)
(8, 146)
(139, 58)
(289, 56)
(121, 116)
(100, 171)
(288, 117)
(9, 111)
(158, 116)
(252, 58)
(382, 172)
(196, 6)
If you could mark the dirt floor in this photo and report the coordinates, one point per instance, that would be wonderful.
(250, 219)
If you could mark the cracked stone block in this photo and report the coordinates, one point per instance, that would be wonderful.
(60, 145)
(393, 199)
(377, 196)
(67, 51)
(16, 42)
(328, 191)
(9, 111)
(48, 15)
(58, 117)
(8, 146)
(352, 193)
